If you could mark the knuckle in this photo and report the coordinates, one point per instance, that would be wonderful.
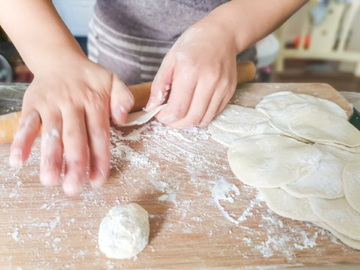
(177, 112)
(194, 120)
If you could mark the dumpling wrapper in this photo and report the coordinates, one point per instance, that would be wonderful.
(271, 161)
(319, 126)
(286, 205)
(227, 138)
(223, 137)
(239, 119)
(278, 102)
(326, 181)
(338, 214)
(345, 239)
(141, 117)
(351, 178)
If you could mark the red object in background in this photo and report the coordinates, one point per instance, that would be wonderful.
(296, 42)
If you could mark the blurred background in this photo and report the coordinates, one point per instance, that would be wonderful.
(320, 43)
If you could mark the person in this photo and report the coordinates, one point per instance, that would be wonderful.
(73, 97)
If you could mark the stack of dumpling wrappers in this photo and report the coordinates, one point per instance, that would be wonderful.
(303, 156)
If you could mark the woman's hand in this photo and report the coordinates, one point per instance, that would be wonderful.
(71, 100)
(200, 70)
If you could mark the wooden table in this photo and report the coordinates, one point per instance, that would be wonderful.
(201, 215)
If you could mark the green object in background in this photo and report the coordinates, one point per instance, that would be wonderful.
(355, 119)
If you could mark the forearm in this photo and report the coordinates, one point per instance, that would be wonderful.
(37, 31)
(248, 21)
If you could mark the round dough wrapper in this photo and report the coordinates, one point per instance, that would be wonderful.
(318, 126)
(271, 161)
(221, 136)
(325, 105)
(141, 117)
(276, 103)
(280, 120)
(338, 214)
(325, 182)
(124, 232)
(227, 138)
(351, 178)
(283, 204)
(346, 240)
(239, 119)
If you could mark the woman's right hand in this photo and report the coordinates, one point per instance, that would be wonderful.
(73, 100)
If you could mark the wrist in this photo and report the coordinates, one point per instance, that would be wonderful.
(56, 56)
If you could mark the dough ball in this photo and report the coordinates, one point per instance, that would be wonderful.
(124, 232)
(271, 161)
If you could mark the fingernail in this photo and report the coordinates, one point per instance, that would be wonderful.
(72, 184)
(16, 158)
(150, 104)
(167, 119)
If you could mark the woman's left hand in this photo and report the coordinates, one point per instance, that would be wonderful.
(200, 70)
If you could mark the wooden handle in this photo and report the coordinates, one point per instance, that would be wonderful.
(9, 123)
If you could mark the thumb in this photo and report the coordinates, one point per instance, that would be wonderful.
(162, 83)
(121, 101)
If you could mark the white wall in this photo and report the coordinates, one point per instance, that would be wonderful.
(76, 14)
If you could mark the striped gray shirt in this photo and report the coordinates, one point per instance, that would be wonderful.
(131, 37)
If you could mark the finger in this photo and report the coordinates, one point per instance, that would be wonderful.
(161, 84)
(75, 147)
(218, 102)
(28, 130)
(183, 86)
(98, 125)
(222, 105)
(199, 105)
(121, 102)
(51, 148)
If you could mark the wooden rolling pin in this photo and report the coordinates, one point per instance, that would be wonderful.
(9, 123)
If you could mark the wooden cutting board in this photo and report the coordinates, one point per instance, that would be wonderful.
(201, 215)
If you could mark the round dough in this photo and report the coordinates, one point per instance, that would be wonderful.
(141, 117)
(316, 125)
(239, 119)
(325, 105)
(224, 137)
(276, 103)
(325, 182)
(351, 178)
(280, 120)
(227, 138)
(124, 232)
(346, 240)
(286, 205)
(271, 161)
(338, 214)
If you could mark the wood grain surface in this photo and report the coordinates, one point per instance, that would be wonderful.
(201, 215)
